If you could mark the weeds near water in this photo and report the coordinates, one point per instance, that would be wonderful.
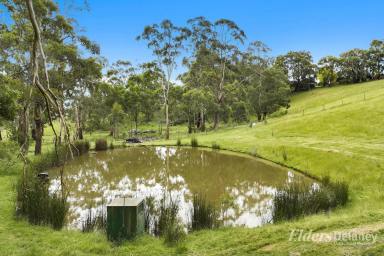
(111, 146)
(96, 221)
(215, 146)
(194, 142)
(300, 198)
(101, 144)
(204, 214)
(167, 223)
(178, 142)
(37, 204)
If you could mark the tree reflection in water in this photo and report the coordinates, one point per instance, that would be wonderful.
(241, 186)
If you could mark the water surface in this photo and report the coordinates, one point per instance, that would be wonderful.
(241, 186)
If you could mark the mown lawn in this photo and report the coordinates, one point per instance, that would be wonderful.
(340, 133)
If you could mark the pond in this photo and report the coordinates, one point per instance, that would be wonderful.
(242, 186)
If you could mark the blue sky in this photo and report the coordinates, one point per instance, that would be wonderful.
(323, 27)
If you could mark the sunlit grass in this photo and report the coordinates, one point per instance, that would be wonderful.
(340, 134)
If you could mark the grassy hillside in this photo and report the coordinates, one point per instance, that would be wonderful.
(333, 131)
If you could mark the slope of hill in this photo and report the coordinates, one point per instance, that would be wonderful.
(332, 131)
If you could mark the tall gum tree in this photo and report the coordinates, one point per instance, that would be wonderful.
(166, 42)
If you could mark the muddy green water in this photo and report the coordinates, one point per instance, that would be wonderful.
(241, 186)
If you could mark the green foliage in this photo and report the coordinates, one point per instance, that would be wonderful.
(194, 142)
(270, 93)
(9, 162)
(81, 147)
(178, 142)
(111, 146)
(37, 204)
(8, 98)
(215, 145)
(326, 77)
(101, 144)
(298, 198)
(167, 224)
(300, 68)
(204, 214)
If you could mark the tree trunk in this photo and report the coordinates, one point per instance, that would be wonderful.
(202, 121)
(166, 121)
(79, 127)
(216, 119)
(38, 128)
(136, 120)
(23, 129)
(189, 125)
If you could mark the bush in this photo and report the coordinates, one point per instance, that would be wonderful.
(300, 198)
(194, 142)
(101, 144)
(215, 146)
(37, 204)
(9, 163)
(178, 142)
(204, 214)
(81, 147)
(167, 224)
(174, 233)
(111, 146)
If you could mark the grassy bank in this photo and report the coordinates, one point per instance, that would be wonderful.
(336, 132)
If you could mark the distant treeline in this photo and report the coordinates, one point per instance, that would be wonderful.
(224, 81)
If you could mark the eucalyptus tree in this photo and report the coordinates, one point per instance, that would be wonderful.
(85, 74)
(166, 42)
(376, 59)
(329, 67)
(217, 42)
(15, 41)
(9, 95)
(269, 93)
(45, 49)
(299, 69)
(354, 66)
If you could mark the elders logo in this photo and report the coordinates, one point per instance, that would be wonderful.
(301, 235)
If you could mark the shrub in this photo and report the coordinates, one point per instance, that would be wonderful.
(101, 144)
(58, 208)
(37, 204)
(9, 163)
(300, 198)
(167, 224)
(81, 147)
(174, 233)
(111, 146)
(204, 214)
(194, 142)
(215, 146)
(178, 142)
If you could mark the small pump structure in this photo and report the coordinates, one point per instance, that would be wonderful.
(125, 218)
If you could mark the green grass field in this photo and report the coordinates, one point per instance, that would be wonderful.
(331, 131)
